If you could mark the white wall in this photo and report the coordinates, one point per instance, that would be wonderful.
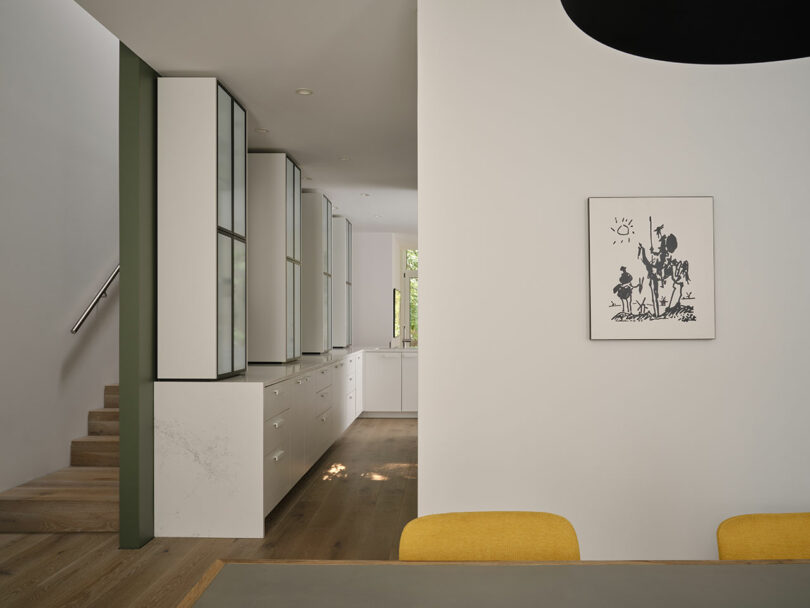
(59, 234)
(644, 446)
(372, 320)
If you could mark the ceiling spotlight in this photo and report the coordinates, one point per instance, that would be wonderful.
(344, 158)
(376, 217)
(262, 130)
(304, 91)
(366, 194)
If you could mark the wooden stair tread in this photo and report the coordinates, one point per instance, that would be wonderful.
(73, 499)
(98, 439)
(104, 413)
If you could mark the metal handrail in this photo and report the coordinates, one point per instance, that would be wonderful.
(102, 293)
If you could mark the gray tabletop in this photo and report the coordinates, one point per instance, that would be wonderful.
(471, 586)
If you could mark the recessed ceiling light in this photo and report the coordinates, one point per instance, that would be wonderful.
(364, 194)
(304, 91)
(344, 158)
(262, 130)
(376, 217)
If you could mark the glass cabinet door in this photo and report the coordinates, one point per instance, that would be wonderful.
(348, 314)
(349, 252)
(231, 231)
(224, 160)
(329, 313)
(297, 205)
(329, 237)
(224, 305)
(290, 210)
(239, 154)
(239, 305)
(297, 310)
(290, 289)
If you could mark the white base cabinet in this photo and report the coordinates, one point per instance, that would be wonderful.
(382, 388)
(390, 382)
(226, 453)
(410, 382)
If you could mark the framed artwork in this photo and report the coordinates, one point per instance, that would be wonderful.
(651, 268)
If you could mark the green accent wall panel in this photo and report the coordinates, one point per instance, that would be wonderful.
(138, 307)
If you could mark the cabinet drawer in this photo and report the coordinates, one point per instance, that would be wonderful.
(349, 378)
(322, 401)
(322, 378)
(276, 475)
(277, 431)
(277, 398)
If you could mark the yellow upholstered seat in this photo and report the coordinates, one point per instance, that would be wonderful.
(765, 536)
(489, 536)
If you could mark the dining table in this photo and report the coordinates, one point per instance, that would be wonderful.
(393, 584)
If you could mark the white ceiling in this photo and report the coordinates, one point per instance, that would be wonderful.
(358, 56)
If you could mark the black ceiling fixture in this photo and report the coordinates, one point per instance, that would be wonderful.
(698, 31)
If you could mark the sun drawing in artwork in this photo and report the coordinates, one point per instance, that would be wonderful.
(622, 230)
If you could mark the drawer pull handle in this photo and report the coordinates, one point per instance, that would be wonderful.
(299, 381)
(278, 455)
(278, 423)
(276, 392)
(323, 418)
(323, 371)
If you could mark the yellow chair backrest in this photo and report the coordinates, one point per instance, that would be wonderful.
(489, 536)
(765, 536)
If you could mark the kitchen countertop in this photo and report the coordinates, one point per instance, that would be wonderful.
(273, 373)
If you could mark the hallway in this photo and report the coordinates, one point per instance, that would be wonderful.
(352, 505)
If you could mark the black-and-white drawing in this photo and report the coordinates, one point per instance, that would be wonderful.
(662, 278)
(661, 266)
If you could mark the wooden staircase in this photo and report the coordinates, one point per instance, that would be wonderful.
(80, 498)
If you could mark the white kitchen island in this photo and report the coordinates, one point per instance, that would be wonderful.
(227, 452)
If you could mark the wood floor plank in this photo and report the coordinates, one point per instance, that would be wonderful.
(332, 513)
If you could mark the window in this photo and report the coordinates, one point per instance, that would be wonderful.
(411, 280)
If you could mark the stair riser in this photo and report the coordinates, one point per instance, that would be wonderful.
(94, 455)
(48, 517)
(110, 400)
(103, 427)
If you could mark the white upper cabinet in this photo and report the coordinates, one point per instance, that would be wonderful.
(274, 250)
(316, 273)
(342, 282)
(201, 230)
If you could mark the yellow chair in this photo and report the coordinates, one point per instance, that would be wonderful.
(765, 536)
(489, 536)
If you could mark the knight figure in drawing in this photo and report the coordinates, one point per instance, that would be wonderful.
(661, 266)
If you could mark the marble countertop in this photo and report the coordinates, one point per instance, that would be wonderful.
(273, 373)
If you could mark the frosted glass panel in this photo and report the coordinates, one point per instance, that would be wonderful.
(290, 310)
(329, 312)
(325, 233)
(329, 237)
(224, 305)
(297, 201)
(348, 314)
(290, 210)
(325, 300)
(239, 310)
(297, 310)
(238, 170)
(224, 159)
(349, 252)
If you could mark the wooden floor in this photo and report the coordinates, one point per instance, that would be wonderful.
(351, 505)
